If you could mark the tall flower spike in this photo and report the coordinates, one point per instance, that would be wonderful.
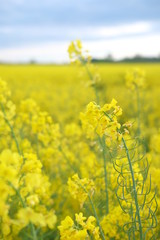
(77, 53)
(135, 78)
(134, 195)
(81, 189)
(80, 56)
(97, 121)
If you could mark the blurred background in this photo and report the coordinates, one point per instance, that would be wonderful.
(40, 31)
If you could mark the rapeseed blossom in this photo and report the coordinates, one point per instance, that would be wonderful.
(135, 79)
(77, 53)
(80, 188)
(102, 121)
(81, 228)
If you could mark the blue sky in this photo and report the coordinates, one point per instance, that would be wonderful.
(42, 29)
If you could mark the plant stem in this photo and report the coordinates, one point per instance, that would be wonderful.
(19, 195)
(138, 112)
(94, 85)
(24, 206)
(94, 211)
(96, 216)
(134, 189)
(134, 184)
(91, 78)
(68, 161)
(20, 153)
(105, 172)
(34, 234)
(12, 130)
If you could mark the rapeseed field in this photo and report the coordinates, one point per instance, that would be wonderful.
(80, 150)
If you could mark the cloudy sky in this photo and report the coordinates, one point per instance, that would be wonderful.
(42, 29)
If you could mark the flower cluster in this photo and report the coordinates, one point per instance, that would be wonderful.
(80, 188)
(102, 121)
(26, 194)
(26, 200)
(112, 224)
(135, 79)
(81, 228)
(76, 52)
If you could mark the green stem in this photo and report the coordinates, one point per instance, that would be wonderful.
(33, 231)
(134, 183)
(96, 216)
(138, 112)
(133, 221)
(11, 129)
(68, 161)
(91, 78)
(21, 154)
(134, 189)
(13, 134)
(94, 84)
(94, 211)
(34, 234)
(19, 195)
(105, 172)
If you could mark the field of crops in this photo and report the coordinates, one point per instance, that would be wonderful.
(80, 150)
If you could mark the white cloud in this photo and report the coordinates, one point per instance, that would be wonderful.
(147, 45)
(54, 52)
(126, 29)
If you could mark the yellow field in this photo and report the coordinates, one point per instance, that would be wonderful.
(63, 90)
(57, 164)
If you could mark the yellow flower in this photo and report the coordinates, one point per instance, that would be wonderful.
(80, 188)
(27, 215)
(50, 219)
(102, 121)
(135, 79)
(4, 92)
(71, 230)
(32, 200)
(32, 164)
(76, 52)
(80, 219)
(90, 224)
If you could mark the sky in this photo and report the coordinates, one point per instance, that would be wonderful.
(41, 30)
